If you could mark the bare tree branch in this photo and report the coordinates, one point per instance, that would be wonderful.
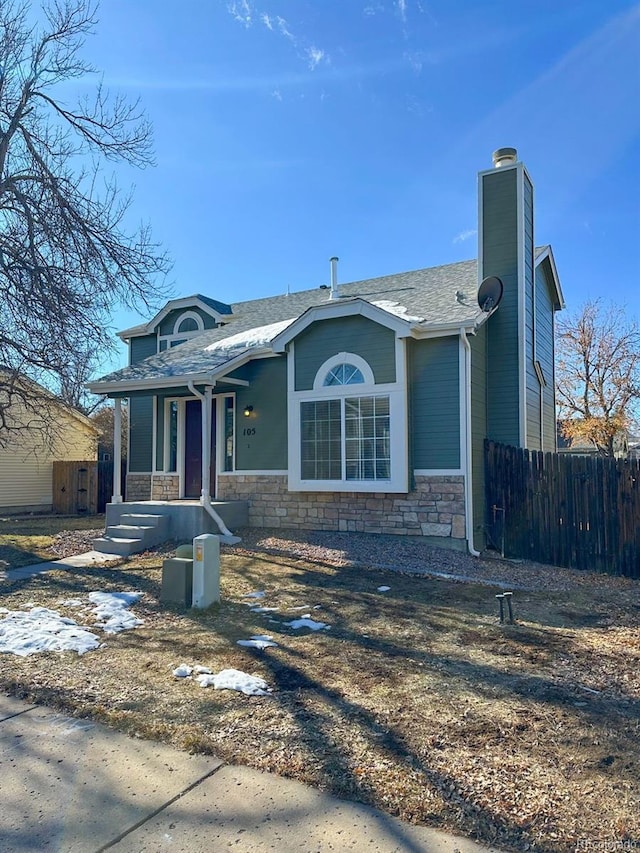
(598, 375)
(67, 255)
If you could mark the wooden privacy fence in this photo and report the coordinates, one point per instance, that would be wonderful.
(83, 488)
(577, 511)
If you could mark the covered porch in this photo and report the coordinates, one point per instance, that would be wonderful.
(190, 441)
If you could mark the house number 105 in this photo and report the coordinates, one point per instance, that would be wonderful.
(249, 431)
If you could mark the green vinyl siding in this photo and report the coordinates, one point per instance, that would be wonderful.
(500, 258)
(435, 403)
(159, 403)
(533, 398)
(266, 447)
(546, 356)
(140, 434)
(478, 343)
(371, 341)
(141, 348)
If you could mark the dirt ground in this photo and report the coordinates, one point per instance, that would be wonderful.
(416, 700)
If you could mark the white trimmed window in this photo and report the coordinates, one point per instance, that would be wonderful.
(348, 434)
(188, 324)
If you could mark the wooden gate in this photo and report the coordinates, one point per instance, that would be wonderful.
(75, 488)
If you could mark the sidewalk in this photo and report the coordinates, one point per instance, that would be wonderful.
(73, 786)
(77, 561)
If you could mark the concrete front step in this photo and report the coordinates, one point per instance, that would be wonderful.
(142, 519)
(135, 533)
(149, 535)
(117, 545)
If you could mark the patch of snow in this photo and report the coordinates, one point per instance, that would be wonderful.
(257, 594)
(384, 588)
(305, 622)
(262, 609)
(258, 642)
(112, 610)
(300, 607)
(251, 337)
(43, 630)
(72, 602)
(183, 671)
(397, 310)
(235, 679)
(202, 670)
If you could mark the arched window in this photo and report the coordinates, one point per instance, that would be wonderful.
(343, 368)
(344, 374)
(188, 321)
(188, 324)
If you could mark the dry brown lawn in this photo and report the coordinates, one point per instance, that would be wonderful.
(417, 700)
(28, 539)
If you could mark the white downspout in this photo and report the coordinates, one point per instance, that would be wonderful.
(205, 497)
(468, 477)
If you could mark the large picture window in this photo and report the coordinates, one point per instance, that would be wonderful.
(351, 431)
(346, 439)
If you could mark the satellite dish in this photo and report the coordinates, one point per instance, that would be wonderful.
(490, 293)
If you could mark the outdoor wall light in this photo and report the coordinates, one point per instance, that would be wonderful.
(247, 411)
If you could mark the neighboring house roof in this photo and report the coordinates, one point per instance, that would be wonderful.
(425, 300)
(38, 390)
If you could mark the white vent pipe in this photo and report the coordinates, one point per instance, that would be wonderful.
(334, 294)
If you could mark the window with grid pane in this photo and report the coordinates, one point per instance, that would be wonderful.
(352, 430)
(367, 438)
(321, 440)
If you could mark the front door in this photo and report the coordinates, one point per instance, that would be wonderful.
(193, 448)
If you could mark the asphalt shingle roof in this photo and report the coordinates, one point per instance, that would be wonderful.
(431, 296)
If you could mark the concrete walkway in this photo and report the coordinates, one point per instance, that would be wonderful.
(73, 786)
(77, 561)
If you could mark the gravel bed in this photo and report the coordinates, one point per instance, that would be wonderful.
(70, 542)
(411, 555)
(408, 555)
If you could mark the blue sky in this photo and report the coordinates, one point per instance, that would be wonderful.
(288, 131)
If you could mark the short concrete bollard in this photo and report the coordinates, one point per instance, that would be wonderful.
(177, 581)
(206, 570)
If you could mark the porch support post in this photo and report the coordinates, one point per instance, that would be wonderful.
(117, 452)
(206, 443)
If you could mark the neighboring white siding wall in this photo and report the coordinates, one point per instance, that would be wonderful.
(26, 468)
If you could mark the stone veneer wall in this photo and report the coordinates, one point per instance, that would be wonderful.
(434, 508)
(138, 487)
(165, 487)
